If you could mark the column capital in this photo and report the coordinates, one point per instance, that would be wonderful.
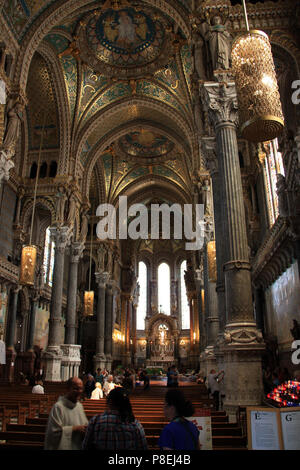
(77, 249)
(61, 237)
(220, 100)
(6, 164)
(102, 279)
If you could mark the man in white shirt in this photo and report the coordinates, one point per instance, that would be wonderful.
(108, 385)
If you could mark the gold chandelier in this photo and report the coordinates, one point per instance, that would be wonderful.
(29, 252)
(89, 295)
(256, 84)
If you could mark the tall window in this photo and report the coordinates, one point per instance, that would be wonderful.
(273, 166)
(142, 306)
(48, 262)
(185, 309)
(164, 284)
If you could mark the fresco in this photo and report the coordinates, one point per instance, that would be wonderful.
(283, 297)
(145, 143)
(125, 37)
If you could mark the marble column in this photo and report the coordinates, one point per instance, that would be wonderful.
(243, 343)
(76, 253)
(29, 355)
(53, 354)
(10, 335)
(108, 324)
(99, 358)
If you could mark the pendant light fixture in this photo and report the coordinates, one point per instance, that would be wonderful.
(258, 96)
(89, 295)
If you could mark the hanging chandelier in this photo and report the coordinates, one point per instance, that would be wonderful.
(29, 252)
(256, 84)
(89, 295)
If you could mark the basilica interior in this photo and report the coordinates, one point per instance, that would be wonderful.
(106, 99)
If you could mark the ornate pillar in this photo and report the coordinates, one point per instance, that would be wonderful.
(108, 324)
(99, 358)
(242, 345)
(53, 354)
(10, 335)
(6, 164)
(76, 253)
(29, 355)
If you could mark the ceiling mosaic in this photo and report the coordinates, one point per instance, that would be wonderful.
(145, 143)
(42, 100)
(21, 13)
(125, 43)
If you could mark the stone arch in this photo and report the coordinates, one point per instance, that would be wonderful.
(61, 9)
(25, 218)
(47, 52)
(159, 317)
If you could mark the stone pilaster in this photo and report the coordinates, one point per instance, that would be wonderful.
(53, 354)
(76, 253)
(10, 336)
(242, 342)
(108, 324)
(99, 358)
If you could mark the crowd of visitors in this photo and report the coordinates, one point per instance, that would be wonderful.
(117, 428)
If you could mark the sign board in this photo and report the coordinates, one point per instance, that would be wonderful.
(273, 428)
(203, 423)
(290, 425)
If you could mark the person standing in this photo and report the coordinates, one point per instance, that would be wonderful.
(214, 380)
(67, 420)
(180, 433)
(116, 428)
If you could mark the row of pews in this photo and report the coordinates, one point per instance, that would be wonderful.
(23, 416)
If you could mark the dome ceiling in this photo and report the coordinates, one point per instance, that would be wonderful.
(145, 143)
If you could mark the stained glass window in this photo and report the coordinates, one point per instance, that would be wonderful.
(185, 310)
(142, 306)
(48, 262)
(164, 285)
(273, 165)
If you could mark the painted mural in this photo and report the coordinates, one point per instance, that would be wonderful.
(125, 38)
(283, 297)
(145, 143)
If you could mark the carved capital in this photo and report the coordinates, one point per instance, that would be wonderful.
(77, 249)
(220, 100)
(6, 164)
(61, 237)
(102, 279)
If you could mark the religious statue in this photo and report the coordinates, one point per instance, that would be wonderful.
(72, 211)
(198, 44)
(101, 258)
(60, 205)
(219, 42)
(14, 118)
(84, 228)
(206, 197)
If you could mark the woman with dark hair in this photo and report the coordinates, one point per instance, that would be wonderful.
(180, 433)
(116, 428)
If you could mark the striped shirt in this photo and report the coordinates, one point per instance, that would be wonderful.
(108, 432)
